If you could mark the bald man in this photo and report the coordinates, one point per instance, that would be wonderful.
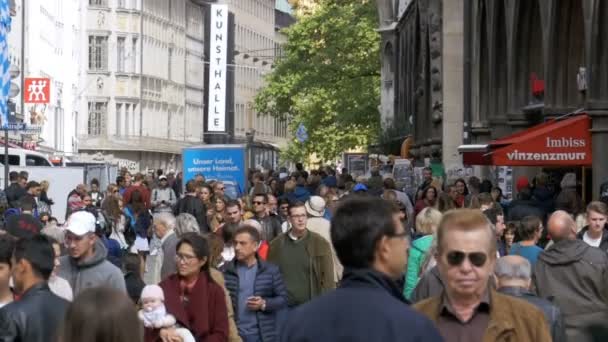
(574, 276)
(513, 276)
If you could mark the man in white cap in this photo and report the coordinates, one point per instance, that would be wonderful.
(86, 266)
(163, 197)
(315, 208)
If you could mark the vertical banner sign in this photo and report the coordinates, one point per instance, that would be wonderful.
(218, 60)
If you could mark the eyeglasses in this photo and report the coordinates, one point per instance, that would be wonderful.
(456, 258)
(184, 258)
(302, 216)
(220, 189)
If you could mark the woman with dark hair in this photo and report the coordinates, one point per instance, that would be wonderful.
(216, 218)
(113, 212)
(197, 302)
(529, 231)
(205, 194)
(140, 221)
(463, 191)
(101, 315)
(429, 199)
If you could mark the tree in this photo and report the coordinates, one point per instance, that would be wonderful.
(328, 79)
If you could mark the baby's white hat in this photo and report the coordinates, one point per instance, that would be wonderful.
(153, 291)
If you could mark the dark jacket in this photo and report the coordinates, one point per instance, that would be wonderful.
(321, 261)
(603, 243)
(134, 285)
(205, 315)
(268, 285)
(271, 227)
(553, 315)
(14, 192)
(573, 275)
(570, 201)
(510, 319)
(195, 207)
(35, 317)
(429, 285)
(545, 199)
(368, 306)
(522, 208)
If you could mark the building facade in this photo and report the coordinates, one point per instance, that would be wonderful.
(473, 71)
(256, 47)
(531, 60)
(421, 91)
(43, 43)
(142, 79)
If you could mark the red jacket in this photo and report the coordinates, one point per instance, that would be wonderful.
(145, 193)
(205, 315)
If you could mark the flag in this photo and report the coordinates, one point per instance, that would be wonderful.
(5, 64)
(302, 133)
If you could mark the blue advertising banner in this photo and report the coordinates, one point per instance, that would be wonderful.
(225, 163)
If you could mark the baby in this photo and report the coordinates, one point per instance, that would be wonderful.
(154, 315)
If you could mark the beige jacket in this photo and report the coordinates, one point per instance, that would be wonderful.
(233, 335)
(322, 226)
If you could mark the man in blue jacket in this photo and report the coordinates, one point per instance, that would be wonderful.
(372, 244)
(256, 289)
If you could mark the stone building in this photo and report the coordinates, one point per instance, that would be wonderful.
(256, 45)
(473, 71)
(422, 75)
(531, 60)
(142, 75)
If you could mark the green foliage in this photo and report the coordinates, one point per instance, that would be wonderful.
(328, 79)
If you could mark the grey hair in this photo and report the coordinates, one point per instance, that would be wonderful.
(186, 223)
(513, 270)
(167, 219)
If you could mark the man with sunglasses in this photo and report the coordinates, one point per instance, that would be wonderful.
(86, 265)
(373, 245)
(271, 225)
(469, 310)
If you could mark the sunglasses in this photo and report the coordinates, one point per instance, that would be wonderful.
(456, 258)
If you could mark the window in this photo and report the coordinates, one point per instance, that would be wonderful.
(170, 63)
(31, 160)
(121, 54)
(97, 116)
(121, 3)
(99, 3)
(12, 159)
(118, 118)
(98, 53)
(134, 55)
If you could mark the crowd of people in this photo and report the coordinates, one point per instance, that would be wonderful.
(302, 256)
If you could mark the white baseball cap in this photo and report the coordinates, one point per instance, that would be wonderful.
(81, 223)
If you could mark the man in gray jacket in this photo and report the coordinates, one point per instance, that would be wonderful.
(163, 198)
(574, 276)
(85, 265)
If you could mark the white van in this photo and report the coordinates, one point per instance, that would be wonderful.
(22, 157)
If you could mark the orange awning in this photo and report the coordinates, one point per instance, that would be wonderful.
(565, 142)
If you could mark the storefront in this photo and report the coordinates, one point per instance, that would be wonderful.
(562, 143)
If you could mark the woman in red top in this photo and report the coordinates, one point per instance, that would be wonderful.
(196, 301)
(429, 199)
